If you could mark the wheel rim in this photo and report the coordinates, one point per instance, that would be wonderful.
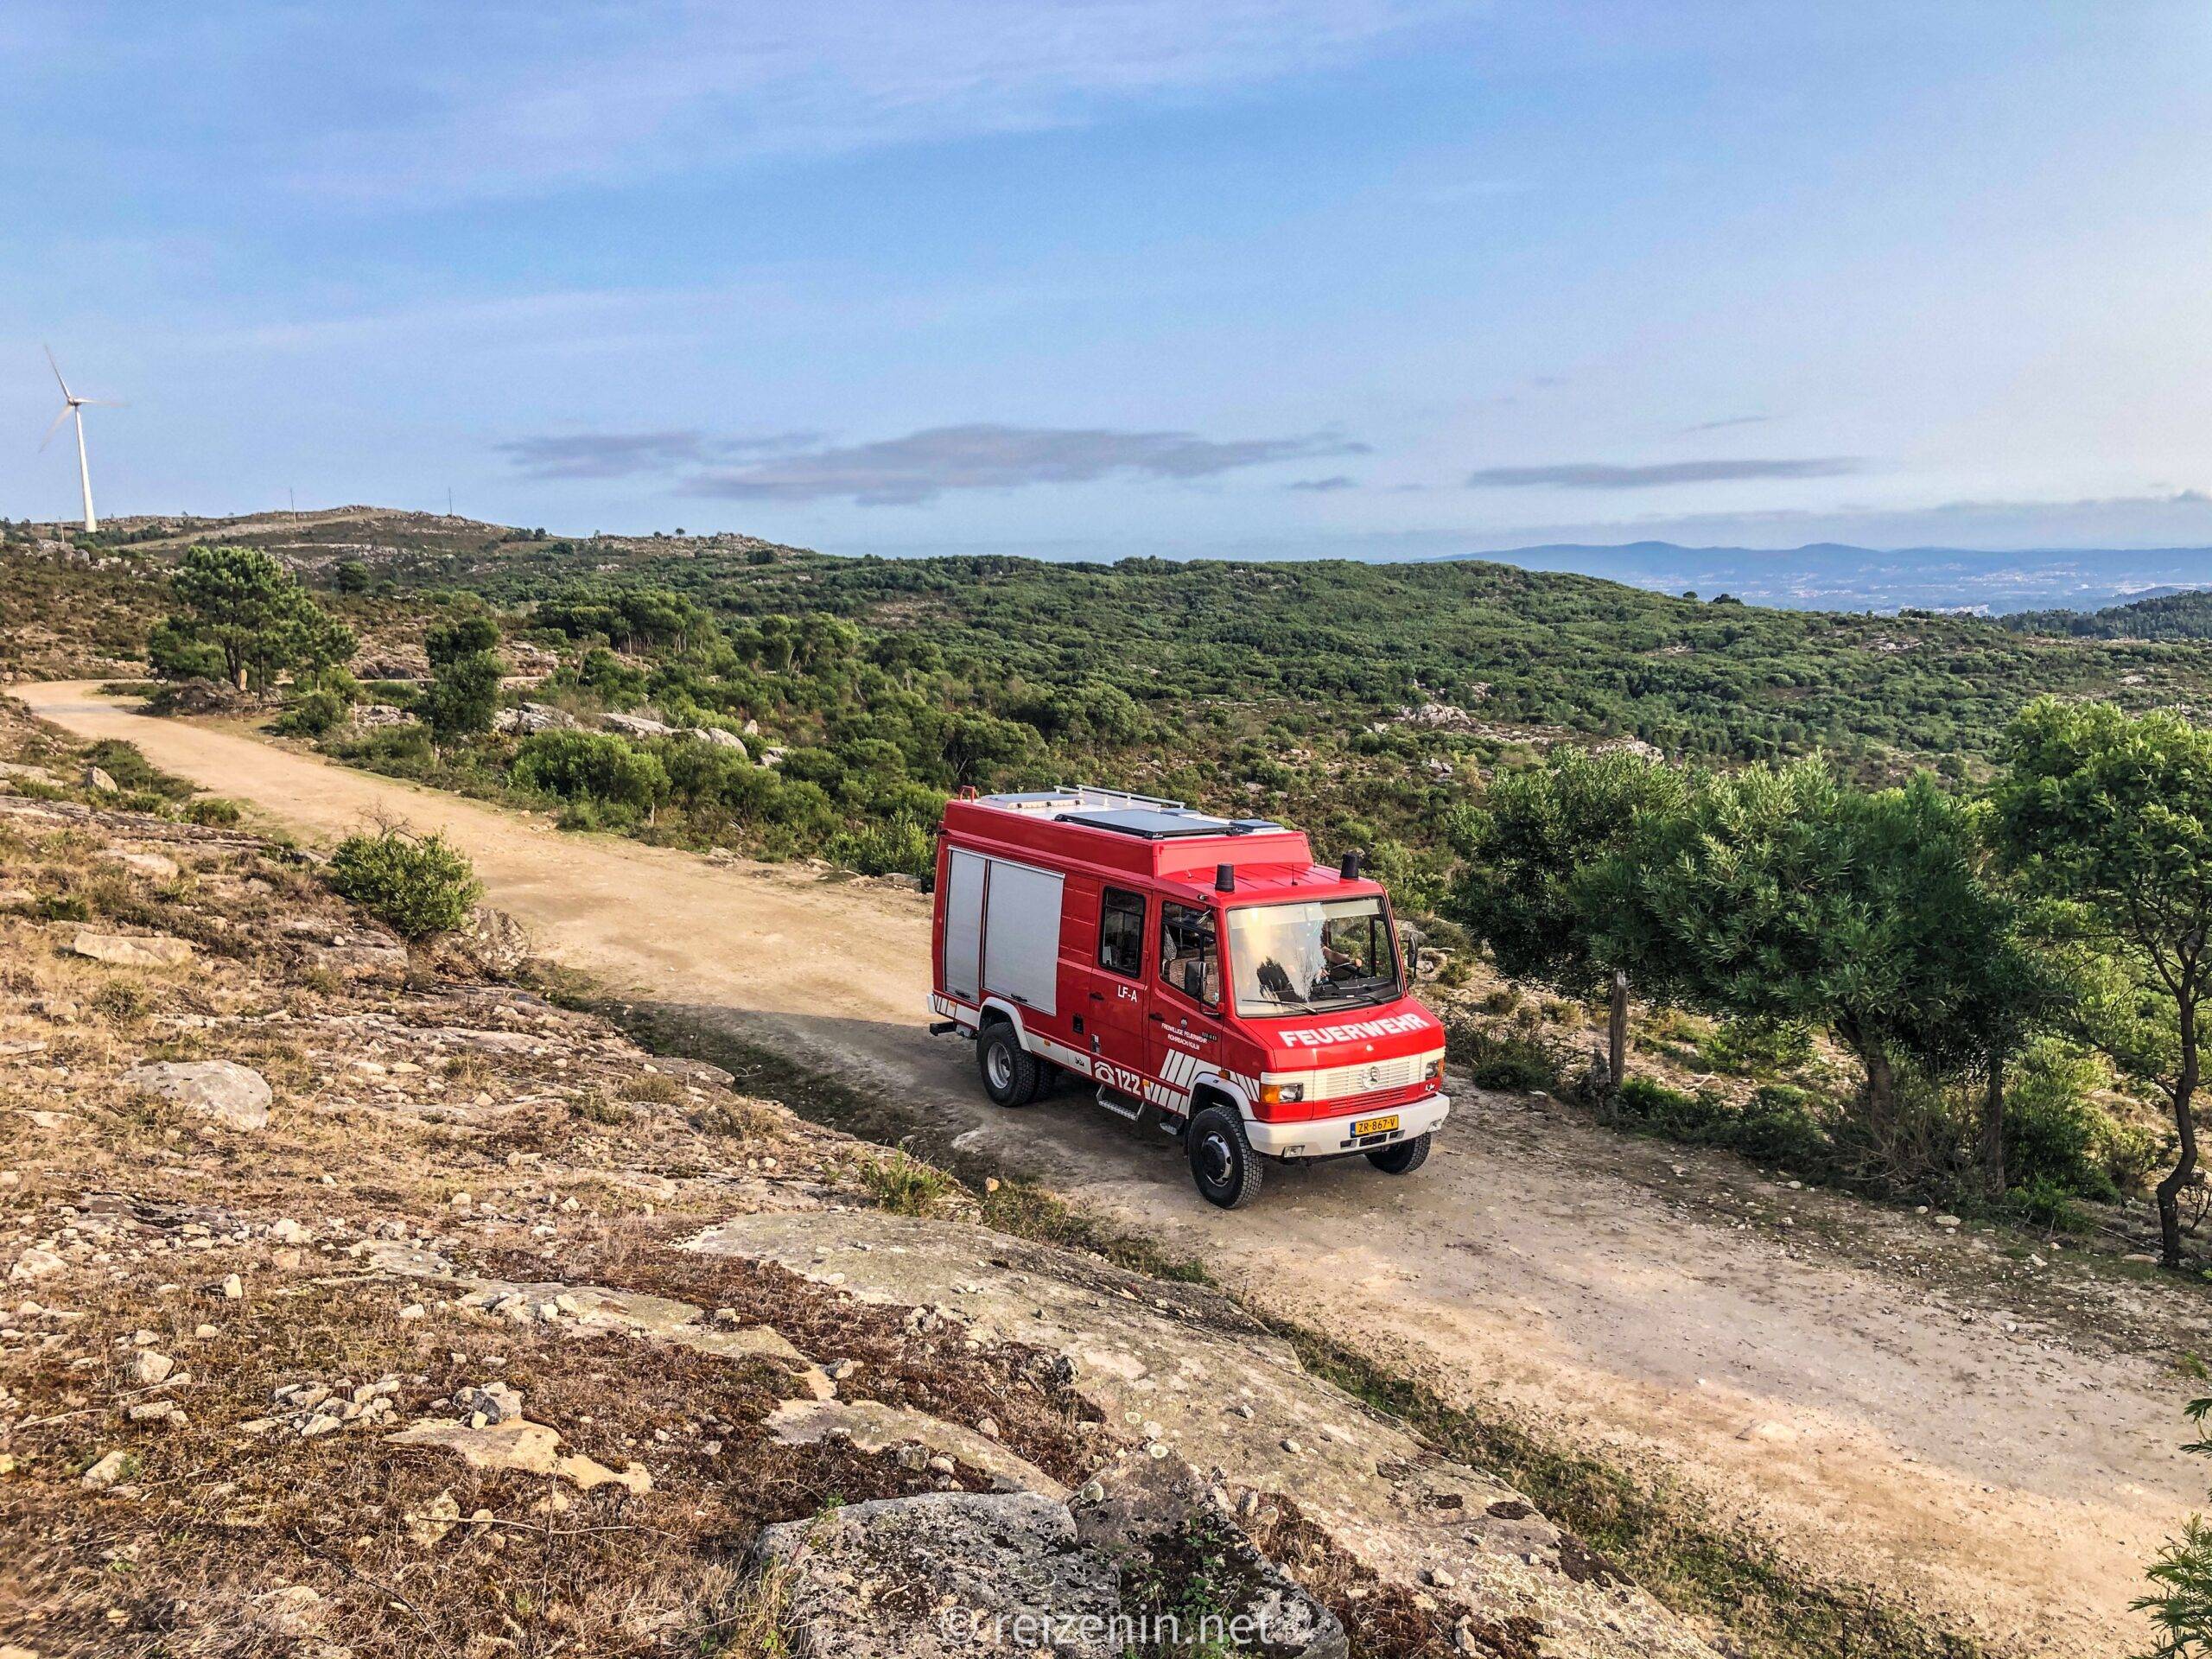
(998, 1065)
(1215, 1162)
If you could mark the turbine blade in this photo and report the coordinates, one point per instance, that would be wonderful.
(67, 409)
(56, 368)
(103, 403)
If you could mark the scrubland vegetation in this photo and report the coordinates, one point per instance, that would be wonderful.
(1818, 831)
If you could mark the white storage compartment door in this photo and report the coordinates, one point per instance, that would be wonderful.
(963, 926)
(1021, 936)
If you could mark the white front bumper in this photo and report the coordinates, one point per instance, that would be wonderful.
(1325, 1137)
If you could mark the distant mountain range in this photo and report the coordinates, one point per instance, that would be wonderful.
(1830, 576)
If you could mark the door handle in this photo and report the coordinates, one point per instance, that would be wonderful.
(1157, 1018)
(1098, 996)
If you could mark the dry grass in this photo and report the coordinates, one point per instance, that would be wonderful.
(560, 1154)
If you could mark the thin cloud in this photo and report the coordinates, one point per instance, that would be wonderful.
(902, 472)
(595, 95)
(626, 454)
(1324, 486)
(1721, 426)
(1602, 475)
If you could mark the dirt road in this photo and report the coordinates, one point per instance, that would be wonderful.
(1988, 1438)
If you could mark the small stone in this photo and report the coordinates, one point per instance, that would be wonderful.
(1293, 1448)
(147, 1367)
(204, 1332)
(289, 1231)
(321, 1424)
(233, 1287)
(1947, 1221)
(35, 1263)
(1441, 1578)
(412, 1311)
(109, 1470)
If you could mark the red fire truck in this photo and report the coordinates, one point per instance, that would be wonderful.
(1205, 973)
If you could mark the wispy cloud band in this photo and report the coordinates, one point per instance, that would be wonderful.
(1604, 475)
(904, 471)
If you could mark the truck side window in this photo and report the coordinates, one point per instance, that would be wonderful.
(1190, 961)
(1121, 933)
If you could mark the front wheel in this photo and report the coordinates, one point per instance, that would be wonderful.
(1402, 1158)
(1010, 1071)
(1223, 1163)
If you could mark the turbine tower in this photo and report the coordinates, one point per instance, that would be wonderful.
(71, 404)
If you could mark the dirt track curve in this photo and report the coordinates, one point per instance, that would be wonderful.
(2010, 1482)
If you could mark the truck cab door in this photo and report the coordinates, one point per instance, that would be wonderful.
(1185, 1016)
(1114, 1027)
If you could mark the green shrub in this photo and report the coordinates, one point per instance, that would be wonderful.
(1756, 1048)
(417, 885)
(2056, 1134)
(1776, 1126)
(1502, 1058)
(212, 809)
(402, 751)
(590, 765)
(313, 714)
(901, 845)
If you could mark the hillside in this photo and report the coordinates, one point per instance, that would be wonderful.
(2161, 616)
(1360, 700)
(364, 1301)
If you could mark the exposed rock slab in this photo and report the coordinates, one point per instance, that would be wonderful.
(235, 1096)
(132, 951)
(1181, 1367)
(929, 1577)
(520, 1445)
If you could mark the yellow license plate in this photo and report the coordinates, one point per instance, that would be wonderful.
(1374, 1125)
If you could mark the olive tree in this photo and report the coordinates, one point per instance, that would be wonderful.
(1786, 894)
(2109, 815)
(1522, 849)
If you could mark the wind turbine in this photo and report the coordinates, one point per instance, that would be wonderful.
(73, 404)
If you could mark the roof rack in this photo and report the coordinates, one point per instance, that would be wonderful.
(1078, 797)
(1149, 817)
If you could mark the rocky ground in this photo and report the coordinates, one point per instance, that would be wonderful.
(360, 1301)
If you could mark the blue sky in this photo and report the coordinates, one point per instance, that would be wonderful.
(1362, 278)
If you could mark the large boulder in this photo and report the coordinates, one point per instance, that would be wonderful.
(716, 736)
(129, 950)
(532, 717)
(1153, 1515)
(973, 1565)
(635, 726)
(235, 1096)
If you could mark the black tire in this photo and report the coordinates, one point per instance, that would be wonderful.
(1010, 1071)
(1402, 1158)
(1223, 1163)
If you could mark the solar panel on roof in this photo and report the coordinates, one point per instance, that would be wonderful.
(1151, 826)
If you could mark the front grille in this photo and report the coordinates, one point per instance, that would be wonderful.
(1371, 1077)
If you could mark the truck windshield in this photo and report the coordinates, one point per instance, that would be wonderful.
(1294, 958)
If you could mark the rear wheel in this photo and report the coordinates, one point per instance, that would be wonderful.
(1010, 1071)
(1402, 1158)
(1223, 1163)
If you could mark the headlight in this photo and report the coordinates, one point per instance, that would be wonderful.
(1435, 1073)
(1282, 1094)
